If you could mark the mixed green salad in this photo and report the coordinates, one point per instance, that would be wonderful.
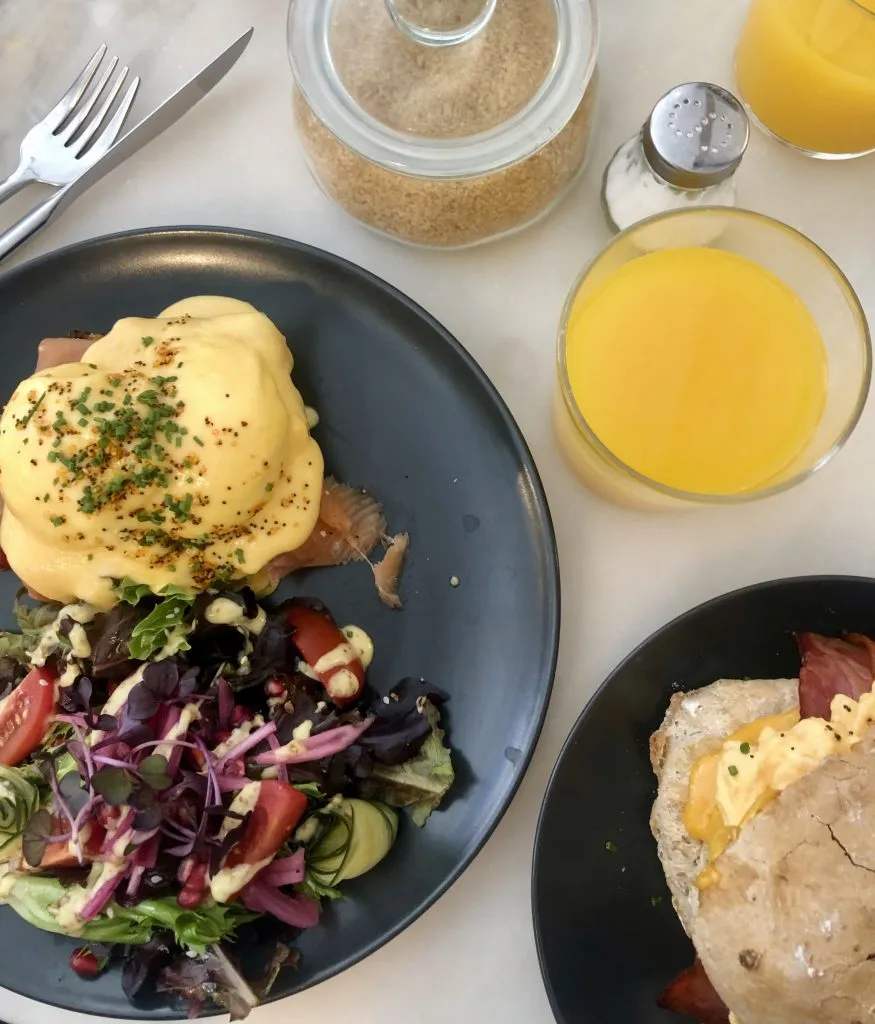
(181, 766)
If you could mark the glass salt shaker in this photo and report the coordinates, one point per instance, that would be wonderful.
(685, 155)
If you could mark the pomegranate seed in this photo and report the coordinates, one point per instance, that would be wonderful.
(188, 899)
(85, 963)
(274, 688)
(195, 886)
(241, 714)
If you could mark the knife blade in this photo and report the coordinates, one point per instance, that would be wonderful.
(170, 111)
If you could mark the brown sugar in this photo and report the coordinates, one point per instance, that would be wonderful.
(446, 93)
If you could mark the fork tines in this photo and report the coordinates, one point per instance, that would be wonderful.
(70, 118)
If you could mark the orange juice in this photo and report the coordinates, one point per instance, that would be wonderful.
(806, 68)
(697, 368)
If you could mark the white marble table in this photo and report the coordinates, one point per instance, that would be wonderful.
(235, 161)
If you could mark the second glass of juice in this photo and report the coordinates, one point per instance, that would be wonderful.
(708, 356)
(806, 71)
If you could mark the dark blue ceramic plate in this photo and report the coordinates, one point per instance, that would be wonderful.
(608, 939)
(407, 414)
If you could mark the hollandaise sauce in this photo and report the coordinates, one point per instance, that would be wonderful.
(697, 368)
(176, 453)
(729, 787)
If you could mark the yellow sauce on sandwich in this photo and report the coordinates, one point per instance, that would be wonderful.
(731, 786)
(177, 453)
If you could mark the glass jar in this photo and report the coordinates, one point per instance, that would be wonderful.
(444, 123)
(806, 70)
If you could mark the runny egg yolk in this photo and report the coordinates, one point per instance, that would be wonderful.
(729, 787)
(176, 453)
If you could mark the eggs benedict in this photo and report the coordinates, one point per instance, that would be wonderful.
(176, 453)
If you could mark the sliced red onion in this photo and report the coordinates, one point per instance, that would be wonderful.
(282, 773)
(137, 872)
(252, 740)
(284, 870)
(230, 783)
(314, 748)
(297, 911)
(123, 829)
(70, 719)
(101, 896)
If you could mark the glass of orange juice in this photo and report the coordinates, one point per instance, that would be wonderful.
(708, 356)
(806, 71)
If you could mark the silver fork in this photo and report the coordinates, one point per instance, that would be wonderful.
(69, 139)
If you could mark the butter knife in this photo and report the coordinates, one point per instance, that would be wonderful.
(149, 128)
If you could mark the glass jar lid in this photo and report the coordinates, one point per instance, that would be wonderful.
(443, 88)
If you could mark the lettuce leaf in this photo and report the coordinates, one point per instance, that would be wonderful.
(32, 620)
(151, 633)
(420, 783)
(212, 978)
(130, 591)
(32, 896)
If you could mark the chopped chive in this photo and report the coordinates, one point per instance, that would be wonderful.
(23, 422)
(146, 342)
(197, 440)
(239, 555)
(733, 770)
(745, 748)
(58, 520)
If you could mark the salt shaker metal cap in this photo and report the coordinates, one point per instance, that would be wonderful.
(696, 135)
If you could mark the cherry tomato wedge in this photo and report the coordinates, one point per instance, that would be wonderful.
(279, 809)
(327, 651)
(25, 715)
(63, 855)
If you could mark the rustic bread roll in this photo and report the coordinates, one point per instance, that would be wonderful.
(788, 934)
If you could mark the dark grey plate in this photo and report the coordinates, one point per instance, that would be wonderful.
(608, 939)
(408, 414)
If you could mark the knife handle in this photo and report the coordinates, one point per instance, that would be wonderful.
(30, 223)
